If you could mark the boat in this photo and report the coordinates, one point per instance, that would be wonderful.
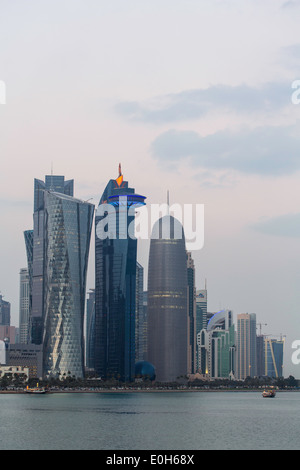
(269, 394)
(36, 390)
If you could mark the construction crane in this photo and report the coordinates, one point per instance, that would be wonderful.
(260, 326)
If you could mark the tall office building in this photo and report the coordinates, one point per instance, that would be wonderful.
(216, 345)
(201, 321)
(4, 312)
(167, 301)
(145, 310)
(60, 248)
(24, 309)
(90, 330)
(192, 339)
(115, 274)
(246, 346)
(36, 249)
(273, 350)
(68, 225)
(260, 354)
(28, 236)
(140, 317)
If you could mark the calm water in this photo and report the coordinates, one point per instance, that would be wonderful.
(154, 421)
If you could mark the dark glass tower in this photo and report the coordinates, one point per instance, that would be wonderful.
(90, 330)
(4, 312)
(192, 339)
(115, 288)
(28, 236)
(167, 301)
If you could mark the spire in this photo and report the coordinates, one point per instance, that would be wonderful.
(119, 180)
(51, 187)
(168, 201)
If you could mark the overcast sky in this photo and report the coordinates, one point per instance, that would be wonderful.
(193, 96)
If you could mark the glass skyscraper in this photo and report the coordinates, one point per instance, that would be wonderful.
(67, 241)
(167, 301)
(59, 259)
(28, 236)
(56, 184)
(90, 330)
(216, 346)
(4, 312)
(274, 357)
(246, 346)
(201, 323)
(24, 306)
(140, 317)
(192, 337)
(115, 275)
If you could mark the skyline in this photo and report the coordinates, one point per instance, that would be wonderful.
(90, 85)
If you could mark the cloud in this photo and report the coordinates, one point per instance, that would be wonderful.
(194, 104)
(291, 4)
(269, 151)
(287, 225)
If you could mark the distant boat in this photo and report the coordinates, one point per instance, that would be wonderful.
(269, 394)
(37, 390)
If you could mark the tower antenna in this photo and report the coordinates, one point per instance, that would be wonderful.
(168, 201)
(52, 187)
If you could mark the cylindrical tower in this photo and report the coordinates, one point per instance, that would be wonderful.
(167, 301)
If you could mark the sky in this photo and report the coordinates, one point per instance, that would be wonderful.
(190, 96)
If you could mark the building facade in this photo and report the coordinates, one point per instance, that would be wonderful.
(28, 237)
(216, 345)
(273, 352)
(140, 317)
(67, 232)
(246, 346)
(4, 312)
(201, 322)
(192, 337)
(115, 275)
(90, 330)
(24, 309)
(167, 301)
(36, 241)
(26, 355)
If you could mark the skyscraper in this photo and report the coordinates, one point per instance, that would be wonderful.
(201, 321)
(4, 312)
(115, 275)
(68, 225)
(90, 330)
(28, 236)
(24, 309)
(217, 347)
(192, 338)
(36, 258)
(167, 301)
(140, 317)
(57, 254)
(246, 345)
(274, 357)
(260, 354)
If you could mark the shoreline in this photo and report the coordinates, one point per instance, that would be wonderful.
(122, 391)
